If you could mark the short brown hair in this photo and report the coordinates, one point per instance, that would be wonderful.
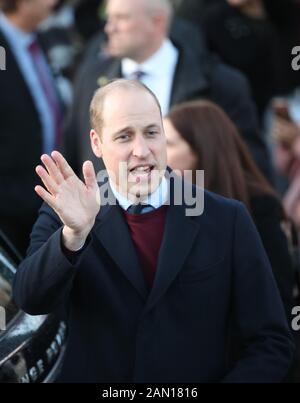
(96, 106)
(9, 6)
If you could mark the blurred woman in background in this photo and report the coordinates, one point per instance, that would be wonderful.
(200, 136)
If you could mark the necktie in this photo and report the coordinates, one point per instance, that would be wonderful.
(48, 88)
(138, 75)
(140, 208)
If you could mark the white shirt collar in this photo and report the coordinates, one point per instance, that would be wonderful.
(153, 66)
(14, 34)
(156, 199)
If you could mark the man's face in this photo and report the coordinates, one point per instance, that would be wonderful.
(133, 145)
(35, 11)
(129, 28)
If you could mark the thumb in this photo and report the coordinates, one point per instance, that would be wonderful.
(89, 174)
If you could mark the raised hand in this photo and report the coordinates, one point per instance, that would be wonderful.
(76, 202)
(284, 132)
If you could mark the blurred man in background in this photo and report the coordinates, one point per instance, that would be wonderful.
(30, 114)
(175, 66)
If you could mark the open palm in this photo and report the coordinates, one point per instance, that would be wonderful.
(76, 202)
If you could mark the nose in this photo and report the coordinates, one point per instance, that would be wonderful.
(140, 148)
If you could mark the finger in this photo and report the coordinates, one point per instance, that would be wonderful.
(50, 184)
(52, 168)
(64, 167)
(89, 174)
(50, 200)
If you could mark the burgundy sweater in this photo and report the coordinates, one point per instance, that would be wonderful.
(147, 232)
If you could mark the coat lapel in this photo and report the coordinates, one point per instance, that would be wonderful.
(112, 231)
(179, 235)
(108, 69)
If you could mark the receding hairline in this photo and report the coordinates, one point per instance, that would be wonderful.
(101, 94)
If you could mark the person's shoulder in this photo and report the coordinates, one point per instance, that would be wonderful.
(218, 202)
(217, 207)
(201, 202)
(228, 76)
(218, 215)
(187, 36)
(196, 191)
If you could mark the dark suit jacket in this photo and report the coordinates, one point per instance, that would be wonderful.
(213, 290)
(198, 75)
(20, 141)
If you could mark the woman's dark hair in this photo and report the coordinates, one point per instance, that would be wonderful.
(220, 151)
(8, 6)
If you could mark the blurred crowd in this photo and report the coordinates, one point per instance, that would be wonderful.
(222, 70)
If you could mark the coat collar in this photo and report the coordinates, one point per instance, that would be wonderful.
(113, 232)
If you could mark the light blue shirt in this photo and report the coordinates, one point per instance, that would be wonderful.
(19, 42)
(156, 199)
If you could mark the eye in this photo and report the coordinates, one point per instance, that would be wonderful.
(152, 132)
(123, 137)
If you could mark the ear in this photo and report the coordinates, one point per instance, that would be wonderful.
(160, 20)
(96, 143)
